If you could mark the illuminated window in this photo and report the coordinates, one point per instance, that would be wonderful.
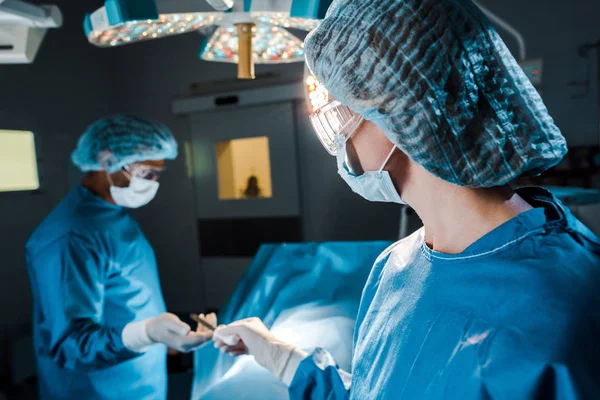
(18, 161)
(244, 169)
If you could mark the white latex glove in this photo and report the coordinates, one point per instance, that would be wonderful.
(229, 341)
(167, 329)
(282, 359)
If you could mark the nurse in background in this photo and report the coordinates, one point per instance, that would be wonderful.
(497, 297)
(99, 320)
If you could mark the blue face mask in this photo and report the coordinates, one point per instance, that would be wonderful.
(371, 185)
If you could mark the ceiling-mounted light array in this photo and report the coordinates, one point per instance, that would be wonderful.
(242, 31)
(166, 25)
(270, 45)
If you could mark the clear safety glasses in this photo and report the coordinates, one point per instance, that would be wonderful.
(143, 171)
(333, 123)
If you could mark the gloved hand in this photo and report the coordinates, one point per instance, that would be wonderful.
(282, 359)
(167, 329)
(204, 331)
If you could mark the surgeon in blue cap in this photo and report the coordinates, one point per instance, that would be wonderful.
(101, 330)
(497, 296)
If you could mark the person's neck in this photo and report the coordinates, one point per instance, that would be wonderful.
(97, 183)
(455, 217)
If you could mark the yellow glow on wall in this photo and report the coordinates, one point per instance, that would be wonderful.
(244, 169)
(18, 161)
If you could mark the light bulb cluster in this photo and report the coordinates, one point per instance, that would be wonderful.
(318, 96)
(166, 25)
(175, 24)
(270, 45)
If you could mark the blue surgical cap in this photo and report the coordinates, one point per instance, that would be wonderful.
(435, 76)
(113, 142)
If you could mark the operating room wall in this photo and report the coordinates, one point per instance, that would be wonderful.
(68, 86)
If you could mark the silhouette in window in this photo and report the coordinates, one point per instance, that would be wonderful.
(252, 190)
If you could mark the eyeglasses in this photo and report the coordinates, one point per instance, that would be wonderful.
(333, 123)
(143, 171)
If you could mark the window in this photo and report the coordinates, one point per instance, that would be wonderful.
(244, 169)
(18, 161)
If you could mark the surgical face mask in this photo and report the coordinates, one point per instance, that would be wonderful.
(139, 192)
(371, 185)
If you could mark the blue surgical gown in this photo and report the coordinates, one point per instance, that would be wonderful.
(516, 315)
(92, 271)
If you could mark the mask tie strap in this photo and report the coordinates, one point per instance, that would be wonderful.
(387, 159)
(105, 166)
(110, 182)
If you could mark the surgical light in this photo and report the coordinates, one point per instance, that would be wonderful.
(221, 5)
(317, 95)
(270, 45)
(240, 31)
(165, 25)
